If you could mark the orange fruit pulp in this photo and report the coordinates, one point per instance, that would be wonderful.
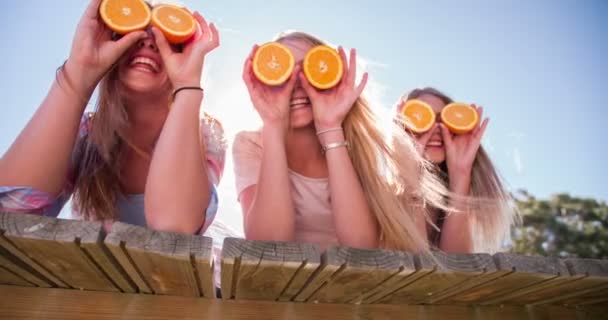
(124, 16)
(177, 24)
(273, 63)
(459, 118)
(323, 67)
(420, 116)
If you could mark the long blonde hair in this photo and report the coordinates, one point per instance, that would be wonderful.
(396, 180)
(492, 207)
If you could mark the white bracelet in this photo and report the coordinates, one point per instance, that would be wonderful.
(329, 130)
(335, 145)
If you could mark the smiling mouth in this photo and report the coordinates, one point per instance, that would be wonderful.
(298, 103)
(145, 64)
(436, 144)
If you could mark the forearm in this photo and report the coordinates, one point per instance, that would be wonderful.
(271, 215)
(177, 188)
(457, 233)
(355, 224)
(40, 156)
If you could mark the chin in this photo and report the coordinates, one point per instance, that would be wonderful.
(434, 157)
(301, 118)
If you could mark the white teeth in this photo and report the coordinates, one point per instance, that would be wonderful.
(435, 144)
(145, 61)
(299, 101)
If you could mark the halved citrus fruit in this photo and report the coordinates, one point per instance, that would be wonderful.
(124, 16)
(273, 63)
(419, 114)
(459, 117)
(323, 67)
(176, 23)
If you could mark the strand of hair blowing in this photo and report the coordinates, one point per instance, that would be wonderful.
(97, 155)
(395, 179)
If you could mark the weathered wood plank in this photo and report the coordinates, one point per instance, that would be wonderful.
(14, 265)
(54, 245)
(51, 304)
(584, 274)
(167, 263)
(360, 271)
(521, 273)
(265, 270)
(407, 274)
(442, 272)
(590, 286)
(8, 277)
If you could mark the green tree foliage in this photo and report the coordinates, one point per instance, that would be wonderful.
(562, 226)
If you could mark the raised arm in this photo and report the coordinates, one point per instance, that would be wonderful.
(268, 208)
(461, 150)
(177, 188)
(39, 157)
(355, 224)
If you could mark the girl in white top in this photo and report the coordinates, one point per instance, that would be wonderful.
(363, 191)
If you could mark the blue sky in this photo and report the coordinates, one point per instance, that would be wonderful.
(536, 66)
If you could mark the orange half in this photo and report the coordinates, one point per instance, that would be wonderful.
(273, 63)
(176, 23)
(124, 16)
(459, 117)
(323, 67)
(419, 115)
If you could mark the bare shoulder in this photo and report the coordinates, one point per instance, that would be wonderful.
(247, 139)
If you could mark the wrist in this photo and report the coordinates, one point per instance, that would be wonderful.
(275, 129)
(331, 137)
(186, 83)
(459, 183)
(83, 83)
(319, 126)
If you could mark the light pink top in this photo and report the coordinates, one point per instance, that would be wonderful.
(314, 221)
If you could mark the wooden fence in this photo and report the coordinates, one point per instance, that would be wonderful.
(64, 269)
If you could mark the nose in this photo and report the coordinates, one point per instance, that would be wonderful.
(148, 42)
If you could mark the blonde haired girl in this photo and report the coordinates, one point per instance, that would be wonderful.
(481, 223)
(361, 191)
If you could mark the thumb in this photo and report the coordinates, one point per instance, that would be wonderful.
(126, 42)
(161, 42)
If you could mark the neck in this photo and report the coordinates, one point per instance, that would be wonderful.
(304, 153)
(146, 118)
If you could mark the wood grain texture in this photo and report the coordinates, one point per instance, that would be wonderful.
(589, 287)
(163, 262)
(51, 304)
(520, 274)
(360, 271)
(52, 247)
(441, 273)
(266, 270)
(17, 267)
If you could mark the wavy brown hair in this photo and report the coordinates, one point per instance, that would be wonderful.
(98, 154)
(490, 203)
(394, 177)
